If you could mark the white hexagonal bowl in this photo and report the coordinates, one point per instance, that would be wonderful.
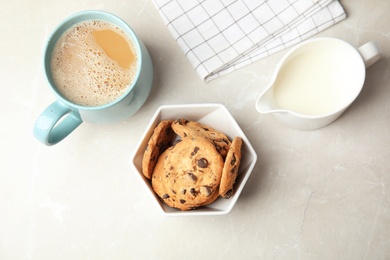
(217, 117)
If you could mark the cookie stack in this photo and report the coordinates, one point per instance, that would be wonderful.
(190, 164)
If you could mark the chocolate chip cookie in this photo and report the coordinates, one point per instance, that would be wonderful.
(230, 168)
(160, 140)
(188, 174)
(185, 128)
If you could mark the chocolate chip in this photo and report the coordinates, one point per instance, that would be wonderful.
(182, 121)
(184, 191)
(193, 192)
(196, 149)
(217, 146)
(233, 161)
(203, 163)
(228, 194)
(206, 190)
(192, 176)
(225, 140)
(165, 196)
(182, 201)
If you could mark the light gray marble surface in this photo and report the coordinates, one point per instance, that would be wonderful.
(321, 194)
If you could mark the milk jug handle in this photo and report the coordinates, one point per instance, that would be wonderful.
(371, 53)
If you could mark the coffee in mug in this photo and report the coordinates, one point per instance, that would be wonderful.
(99, 71)
(93, 63)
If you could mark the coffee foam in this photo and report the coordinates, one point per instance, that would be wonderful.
(81, 70)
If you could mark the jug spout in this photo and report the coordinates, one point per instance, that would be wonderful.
(266, 103)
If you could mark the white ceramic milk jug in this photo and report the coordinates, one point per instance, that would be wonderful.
(316, 81)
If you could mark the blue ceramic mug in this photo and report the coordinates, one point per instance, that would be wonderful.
(63, 116)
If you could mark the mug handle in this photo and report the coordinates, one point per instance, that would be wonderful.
(370, 52)
(49, 129)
